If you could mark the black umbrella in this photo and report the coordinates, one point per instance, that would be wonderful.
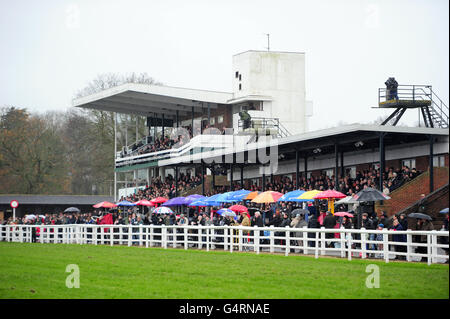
(370, 195)
(72, 210)
(420, 216)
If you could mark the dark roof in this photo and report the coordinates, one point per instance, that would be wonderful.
(55, 199)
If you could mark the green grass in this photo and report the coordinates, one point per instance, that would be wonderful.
(38, 271)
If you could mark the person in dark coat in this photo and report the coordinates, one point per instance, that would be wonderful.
(312, 223)
(329, 222)
(396, 226)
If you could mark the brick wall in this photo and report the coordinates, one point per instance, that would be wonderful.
(414, 191)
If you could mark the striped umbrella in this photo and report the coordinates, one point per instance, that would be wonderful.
(309, 195)
(163, 210)
(252, 195)
(267, 197)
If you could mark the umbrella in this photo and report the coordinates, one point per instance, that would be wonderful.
(444, 211)
(144, 202)
(420, 216)
(342, 214)
(163, 210)
(104, 205)
(72, 210)
(239, 208)
(159, 200)
(330, 195)
(176, 201)
(347, 200)
(227, 213)
(291, 196)
(125, 203)
(224, 210)
(200, 203)
(300, 211)
(267, 197)
(213, 200)
(309, 195)
(238, 196)
(252, 195)
(30, 216)
(370, 194)
(192, 198)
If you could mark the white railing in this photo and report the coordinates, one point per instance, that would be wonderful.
(345, 243)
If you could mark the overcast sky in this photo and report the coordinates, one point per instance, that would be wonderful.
(51, 49)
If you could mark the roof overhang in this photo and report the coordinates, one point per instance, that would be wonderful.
(146, 100)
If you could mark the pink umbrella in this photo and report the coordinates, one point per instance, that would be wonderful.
(144, 202)
(342, 214)
(239, 208)
(159, 200)
(105, 205)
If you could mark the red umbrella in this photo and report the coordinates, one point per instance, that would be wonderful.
(239, 208)
(159, 200)
(329, 194)
(342, 214)
(105, 205)
(144, 202)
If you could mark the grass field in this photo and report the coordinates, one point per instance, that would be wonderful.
(38, 271)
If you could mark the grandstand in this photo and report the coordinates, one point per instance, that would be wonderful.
(259, 131)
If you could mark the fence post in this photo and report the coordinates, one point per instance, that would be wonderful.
(434, 246)
(152, 230)
(288, 242)
(240, 238)
(408, 245)
(363, 243)
(349, 246)
(272, 240)
(140, 235)
(316, 244)
(256, 240)
(429, 247)
(231, 239)
(322, 241)
(102, 235)
(225, 239)
(129, 235)
(164, 236)
(385, 245)
(342, 240)
(207, 238)
(305, 241)
(185, 237)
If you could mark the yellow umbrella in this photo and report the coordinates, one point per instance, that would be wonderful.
(267, 197)
(309, 195)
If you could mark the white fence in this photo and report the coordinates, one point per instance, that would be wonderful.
(345, 243)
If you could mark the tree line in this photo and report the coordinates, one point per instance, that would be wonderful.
(65, 152)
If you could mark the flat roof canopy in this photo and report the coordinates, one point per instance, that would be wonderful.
(145, 100)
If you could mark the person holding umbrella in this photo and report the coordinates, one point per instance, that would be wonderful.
(423, 223)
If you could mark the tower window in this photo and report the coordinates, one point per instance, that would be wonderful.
(240, 77)
(237, 74)
(240, 86)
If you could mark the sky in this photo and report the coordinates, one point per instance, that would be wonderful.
(51, 49)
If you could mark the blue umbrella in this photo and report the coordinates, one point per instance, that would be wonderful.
(125, 203)
(238, 196)
(291, 196)
(213, 200)
(444, 211)
(200, 202)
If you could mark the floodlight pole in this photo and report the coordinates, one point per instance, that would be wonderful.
(115, 154)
